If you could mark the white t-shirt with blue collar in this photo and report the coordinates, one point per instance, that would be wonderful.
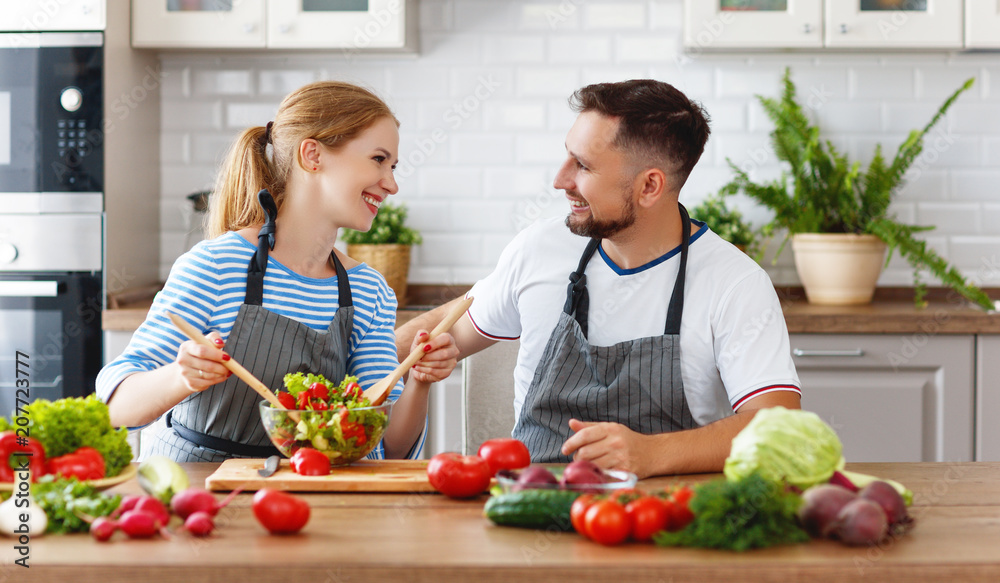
(734, 343)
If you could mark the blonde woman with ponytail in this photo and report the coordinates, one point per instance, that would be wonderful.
(269, 288)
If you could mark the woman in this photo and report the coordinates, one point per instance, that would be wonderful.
(269, 287)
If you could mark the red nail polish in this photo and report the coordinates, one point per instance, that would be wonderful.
(218, 341)
(424, 335)
(225, 356)
(427, 347)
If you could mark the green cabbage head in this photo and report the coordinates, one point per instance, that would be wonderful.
(785, 445)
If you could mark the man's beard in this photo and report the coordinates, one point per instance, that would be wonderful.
(595, 229)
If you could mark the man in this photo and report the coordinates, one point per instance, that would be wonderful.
(608, 369)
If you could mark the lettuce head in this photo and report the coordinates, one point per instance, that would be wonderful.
(785, 445)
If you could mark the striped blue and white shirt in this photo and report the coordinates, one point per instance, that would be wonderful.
(207, 286)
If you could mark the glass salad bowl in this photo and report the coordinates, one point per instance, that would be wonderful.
(345, 434)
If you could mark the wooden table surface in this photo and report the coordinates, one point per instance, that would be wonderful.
(427, 537)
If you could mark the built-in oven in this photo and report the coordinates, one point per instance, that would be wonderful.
(51, 214)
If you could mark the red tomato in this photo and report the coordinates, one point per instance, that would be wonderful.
(287, 400)
(319, 391)
(353, 390)
(307, 461)
(280, 513)
(606, 522)
(647, 516)
(681, 495)
(578, 512)
(505, 453)
(303, 400)
(459, 476)
(680, 514)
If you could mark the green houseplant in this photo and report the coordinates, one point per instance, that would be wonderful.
(386, 246)
(823, 192)
(726, 222)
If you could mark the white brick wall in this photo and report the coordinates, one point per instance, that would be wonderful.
(484, 115)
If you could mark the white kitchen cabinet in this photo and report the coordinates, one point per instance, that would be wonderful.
(888, 24)
(722, 24)
(988, 398)
(982, 24)
(906, 397)
(46, 15)
(232, 24)
(350, 25)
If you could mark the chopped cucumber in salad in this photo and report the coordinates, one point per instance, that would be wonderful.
(334, 419)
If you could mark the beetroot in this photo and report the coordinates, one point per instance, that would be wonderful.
(820, 506)
(890, 501)
(861, 522)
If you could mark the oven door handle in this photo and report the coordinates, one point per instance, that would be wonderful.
(29, 289)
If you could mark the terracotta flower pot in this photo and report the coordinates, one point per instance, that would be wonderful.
(838, 268)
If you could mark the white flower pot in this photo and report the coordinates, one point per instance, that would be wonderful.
(838, 268)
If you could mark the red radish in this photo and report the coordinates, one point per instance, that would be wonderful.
(127, 503)
(192, 500)
(820, 506)
(102, 528)
(861, 522)
(139, 524)
(154, 507)
(199, 523)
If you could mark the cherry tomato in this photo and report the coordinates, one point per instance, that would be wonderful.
(681, 495)
(280, 513)
(647, 516)
(459, 476)
(505, 453)
(353, 390)
(302, 400)
(287, 400)
(680, 516)
(606, 522)
(318, 405)
(319, 391)
(578, 512)
(307, 461)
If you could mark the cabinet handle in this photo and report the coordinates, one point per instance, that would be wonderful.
(249, 27)
(806, 352)
(843, 29)
(807, 28)
(285, 28)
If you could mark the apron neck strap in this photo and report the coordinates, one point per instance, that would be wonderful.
(676, 306)
(265, 242)
(577, 298)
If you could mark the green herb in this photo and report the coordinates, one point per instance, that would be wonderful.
(751, 513)
(65, 425)
(726, 222)
(64, 500)
(824, 192)
(388, 228)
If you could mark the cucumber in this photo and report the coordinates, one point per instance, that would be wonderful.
(546, 509)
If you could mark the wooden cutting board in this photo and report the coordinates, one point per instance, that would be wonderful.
(361, 476)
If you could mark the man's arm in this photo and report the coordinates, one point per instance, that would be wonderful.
(694, 451)
(467, 338)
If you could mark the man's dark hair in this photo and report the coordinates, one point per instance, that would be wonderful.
(658, 125)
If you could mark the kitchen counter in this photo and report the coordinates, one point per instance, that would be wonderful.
(426, 537)
(892, 312)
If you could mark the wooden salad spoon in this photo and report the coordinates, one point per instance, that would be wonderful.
(379, 391)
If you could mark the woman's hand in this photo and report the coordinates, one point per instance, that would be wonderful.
(440, 358)
(201, 366)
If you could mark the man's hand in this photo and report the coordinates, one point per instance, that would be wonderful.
(612, 446)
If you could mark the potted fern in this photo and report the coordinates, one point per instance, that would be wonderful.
(824, 195)
(386, 247)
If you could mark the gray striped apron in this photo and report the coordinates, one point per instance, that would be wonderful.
(636, 383)
(223, 421)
